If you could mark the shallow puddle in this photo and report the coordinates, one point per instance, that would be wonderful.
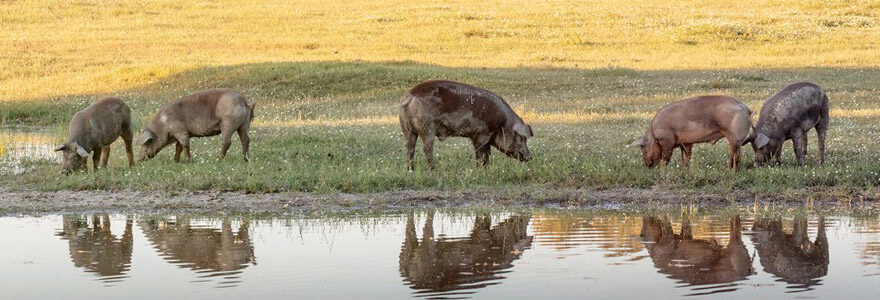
(441, 255)
(18, 147)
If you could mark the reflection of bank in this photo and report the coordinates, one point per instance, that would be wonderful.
(697, 262)
(792, 257)
(215, 254)
(444, 266)
(95, 248)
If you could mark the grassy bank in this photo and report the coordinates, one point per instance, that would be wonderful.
(327, 77)
(331, 127)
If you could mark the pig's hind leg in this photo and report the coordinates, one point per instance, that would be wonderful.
(411, 139)
(126, 138)
(226, 133)
(686, 154)
(245, 139)
(428, 146)
(821, 128)
(735, 148)
(798, 141)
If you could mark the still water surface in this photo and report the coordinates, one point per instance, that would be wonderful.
(441, 255)
(18, 147)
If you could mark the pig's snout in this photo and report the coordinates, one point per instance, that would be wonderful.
(65, 172)
(525, 157)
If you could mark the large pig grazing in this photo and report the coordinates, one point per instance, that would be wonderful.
(92, 130)
(441, 108)
(789, 115)
(696, 120)
(208, 113)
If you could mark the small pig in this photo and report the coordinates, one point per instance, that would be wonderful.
(789, 115)
(696, 120)
(92, 130)
(444, 108)
(207, 113)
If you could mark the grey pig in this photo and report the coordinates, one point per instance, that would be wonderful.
(92, 130)
(789, 115)
(207, 113)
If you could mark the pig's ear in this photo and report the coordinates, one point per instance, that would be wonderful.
(639, 142)
(61, 147)
(522, 129)
(145, 137)
(761, 140)
(81, 151)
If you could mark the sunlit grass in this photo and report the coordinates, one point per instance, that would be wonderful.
(56, 48)
(327, 77)
(318, 130)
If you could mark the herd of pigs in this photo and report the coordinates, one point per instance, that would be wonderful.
(438, 109)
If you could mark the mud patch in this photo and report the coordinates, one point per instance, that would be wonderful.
(24, 202)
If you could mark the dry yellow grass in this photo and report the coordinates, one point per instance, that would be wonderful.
(53, 48)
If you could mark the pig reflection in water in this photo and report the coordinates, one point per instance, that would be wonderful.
(95, 248)
(222, 253)
(792, 257)
(444, 265)
(696, 262)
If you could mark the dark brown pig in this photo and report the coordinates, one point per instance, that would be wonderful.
(92, 130)
(696, 120)
(788, 115)
(208, 113)
(441, 108)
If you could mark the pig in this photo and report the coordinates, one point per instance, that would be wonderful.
(92, 130)
(442, 108)
(696, 120)
(207, 113)
(789, 115)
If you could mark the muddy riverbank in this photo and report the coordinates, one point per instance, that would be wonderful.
(29, 201)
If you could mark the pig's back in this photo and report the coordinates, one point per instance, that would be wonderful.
(793, 103)
(706, 110)
(102, 121)
(456, 97)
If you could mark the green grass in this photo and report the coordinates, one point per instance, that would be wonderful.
(331, 127)
(327, 77)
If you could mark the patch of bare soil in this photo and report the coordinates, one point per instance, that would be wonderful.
(27, 202)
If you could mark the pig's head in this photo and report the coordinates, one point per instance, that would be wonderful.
(73, 157)
(650, 149)
(151, 142)
(512, 141)
(765, 148)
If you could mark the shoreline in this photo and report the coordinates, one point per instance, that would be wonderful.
(20, 202)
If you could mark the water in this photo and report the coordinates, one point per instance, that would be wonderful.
(436, 255)
(19, 146)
